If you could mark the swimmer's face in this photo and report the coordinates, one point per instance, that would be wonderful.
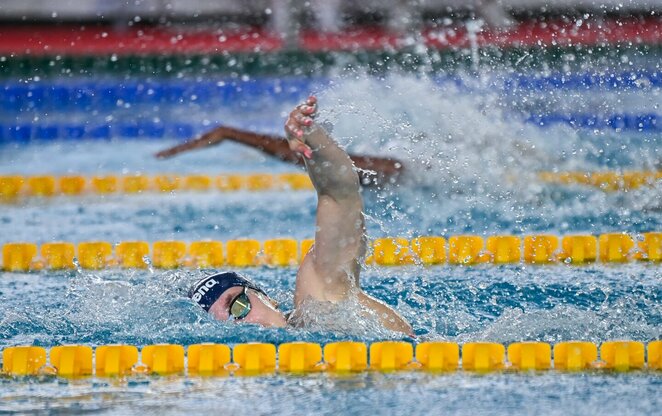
(263, 310)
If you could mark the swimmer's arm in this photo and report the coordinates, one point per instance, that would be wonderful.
(373, 170)
(332, 267)
(340, 240)
(271, 145)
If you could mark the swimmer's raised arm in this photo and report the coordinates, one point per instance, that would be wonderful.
(340, 232)
(330, 271)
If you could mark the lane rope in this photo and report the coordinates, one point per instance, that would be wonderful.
(339, 357)
(650, 122)
(464, 250)
(13, 187)
(39, 132)
(608, 181)
(84, 96)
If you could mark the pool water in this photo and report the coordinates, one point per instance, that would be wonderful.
(471, 158)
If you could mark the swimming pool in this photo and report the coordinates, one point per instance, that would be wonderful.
(473, 154)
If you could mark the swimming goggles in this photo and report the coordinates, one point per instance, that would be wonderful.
(240, 305)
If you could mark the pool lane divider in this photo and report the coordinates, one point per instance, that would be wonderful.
(620, 122)
(16, 186)
(13, 187)
(65, 97)
(337, 357)
(31, 132)
(464, 250)
(608, 181)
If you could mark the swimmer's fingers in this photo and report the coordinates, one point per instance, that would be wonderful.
(304, 113)
(309, 108)
(296, 122)
(294, 130)
(301, 118)
(298, 146)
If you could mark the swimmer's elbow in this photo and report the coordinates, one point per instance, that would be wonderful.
(396, 323)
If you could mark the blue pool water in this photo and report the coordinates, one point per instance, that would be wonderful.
(472, 155)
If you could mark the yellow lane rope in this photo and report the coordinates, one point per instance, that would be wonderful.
(287, 252)
(343, 356)
(607, 181)
(15, 186)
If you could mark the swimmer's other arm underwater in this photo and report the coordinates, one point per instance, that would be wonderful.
(329, 274)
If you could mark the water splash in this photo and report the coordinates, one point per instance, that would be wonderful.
(444, 135)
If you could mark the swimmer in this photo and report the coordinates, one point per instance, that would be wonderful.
(372, 170)
(329, 274)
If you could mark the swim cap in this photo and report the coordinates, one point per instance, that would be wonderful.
(207, 290)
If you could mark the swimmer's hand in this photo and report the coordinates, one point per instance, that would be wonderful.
(300, 119)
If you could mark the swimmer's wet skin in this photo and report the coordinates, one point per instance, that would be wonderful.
(330, 271)
(229, 295)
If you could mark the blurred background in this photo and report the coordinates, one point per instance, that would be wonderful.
(285, 16)
(198, 52)
(476, 98)
(472, 96)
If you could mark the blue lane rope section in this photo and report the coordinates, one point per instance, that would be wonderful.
(612, 81)
(619, 122)
(84, 96)
(24, 133)
(66, 97)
